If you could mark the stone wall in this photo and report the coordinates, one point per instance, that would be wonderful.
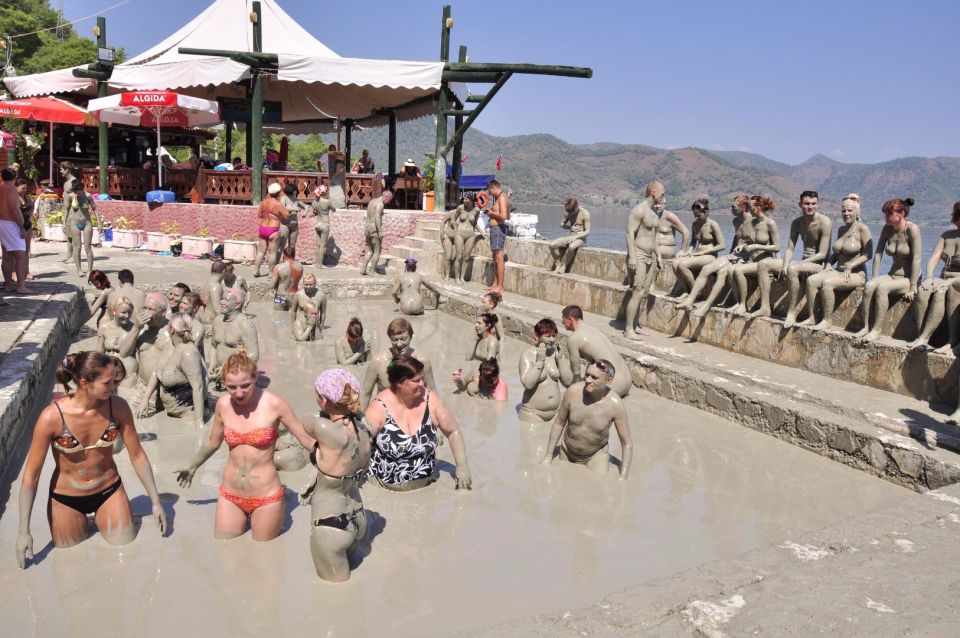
(44, 341)
(227, 221)
(596, 283)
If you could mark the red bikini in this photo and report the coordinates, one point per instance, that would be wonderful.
(260, 438)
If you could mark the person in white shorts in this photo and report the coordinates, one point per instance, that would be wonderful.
(12, 235)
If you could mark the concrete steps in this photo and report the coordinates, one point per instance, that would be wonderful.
(903, 440)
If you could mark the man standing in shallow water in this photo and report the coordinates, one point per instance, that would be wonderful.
(587, 411)
(643, 253)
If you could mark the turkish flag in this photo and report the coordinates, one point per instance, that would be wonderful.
(499, 162)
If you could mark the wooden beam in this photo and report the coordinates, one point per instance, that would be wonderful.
(470, 76)
(512, 67)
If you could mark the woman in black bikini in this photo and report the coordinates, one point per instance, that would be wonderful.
(82, 428)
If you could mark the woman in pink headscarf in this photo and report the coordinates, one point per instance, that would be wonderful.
(341, 455)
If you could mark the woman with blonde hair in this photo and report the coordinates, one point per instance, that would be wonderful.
(248, 419)
(341, 455)
(86, 480)
(847, 266)
(118, 337)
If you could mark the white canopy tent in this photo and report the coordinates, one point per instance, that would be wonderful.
(312, 83)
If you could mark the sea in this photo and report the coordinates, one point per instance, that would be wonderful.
(609, 225)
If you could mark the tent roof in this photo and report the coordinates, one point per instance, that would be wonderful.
(313, 83)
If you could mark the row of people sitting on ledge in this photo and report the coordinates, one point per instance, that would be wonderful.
(823, 269)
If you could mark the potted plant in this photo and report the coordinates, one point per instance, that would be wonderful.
(125, 235)
(160, 241)
(53, 227)
(240, 249)
(200, 244)
(429, 181)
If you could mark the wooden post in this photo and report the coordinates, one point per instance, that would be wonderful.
(458, 146)
(228, 141)
(348, 143)
(392, 144)
(103, 152)
(255, 133)
(440, 161)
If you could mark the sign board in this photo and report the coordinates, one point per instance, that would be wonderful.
(238, 110)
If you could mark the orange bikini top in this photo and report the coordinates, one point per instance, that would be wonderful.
(259, 438)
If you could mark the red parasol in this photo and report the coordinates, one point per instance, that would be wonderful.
(47, 109)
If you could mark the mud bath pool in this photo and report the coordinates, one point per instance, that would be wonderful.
(528, 539)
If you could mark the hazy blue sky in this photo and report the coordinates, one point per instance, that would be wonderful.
(858, 81)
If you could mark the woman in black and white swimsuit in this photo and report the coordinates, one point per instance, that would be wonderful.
(404, 420)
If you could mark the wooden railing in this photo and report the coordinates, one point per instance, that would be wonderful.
(225, 186)
(126, 183)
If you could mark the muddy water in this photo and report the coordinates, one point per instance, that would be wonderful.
(527, 539)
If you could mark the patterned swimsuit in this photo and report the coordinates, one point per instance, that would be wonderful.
(398, 457)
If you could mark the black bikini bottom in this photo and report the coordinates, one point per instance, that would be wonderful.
(86, 504)
(341, 521)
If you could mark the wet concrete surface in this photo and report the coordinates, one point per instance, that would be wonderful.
(529, 539)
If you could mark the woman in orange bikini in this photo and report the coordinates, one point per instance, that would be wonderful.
(85, 480)
(247, 418)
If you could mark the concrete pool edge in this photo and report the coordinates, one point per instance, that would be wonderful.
(841, 437)
(25, 366)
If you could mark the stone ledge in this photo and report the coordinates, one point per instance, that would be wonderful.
(25, 364)
(844, 436)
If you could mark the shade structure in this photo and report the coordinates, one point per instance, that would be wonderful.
(314, 85)
(47, 109)
(8, 141)
(155, 109)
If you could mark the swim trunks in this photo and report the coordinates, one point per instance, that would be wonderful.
(498, 236)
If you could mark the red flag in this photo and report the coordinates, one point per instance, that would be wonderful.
(499, 162)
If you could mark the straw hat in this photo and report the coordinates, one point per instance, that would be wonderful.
(274, 188)
(409, 163)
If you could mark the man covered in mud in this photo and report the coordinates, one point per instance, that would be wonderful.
(582, 426)
(588, 344)
(643, 252)
(400, 333)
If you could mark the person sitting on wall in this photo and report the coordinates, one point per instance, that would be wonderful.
(238, 164)
(364, 164)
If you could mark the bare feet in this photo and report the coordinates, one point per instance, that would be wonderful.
(918, 344)
(762, 312)
(259, 274)
(23, 290)
(495, 289)
(824, 325)
(808, 322)
(630, 333)
(873, 335)
(791, 320)
(739, 310)
(860, 334)
(947, 349)
(682, 297)
(701, 310)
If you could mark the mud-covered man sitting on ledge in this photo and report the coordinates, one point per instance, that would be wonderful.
(587, 411)
(564, 249)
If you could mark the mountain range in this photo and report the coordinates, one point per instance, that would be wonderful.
(542, 168)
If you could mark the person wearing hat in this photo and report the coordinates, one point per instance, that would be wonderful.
(272, 214)
(410, 169)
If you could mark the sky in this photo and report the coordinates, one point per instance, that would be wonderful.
(858, 81)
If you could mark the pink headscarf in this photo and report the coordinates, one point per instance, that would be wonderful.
(330, 384)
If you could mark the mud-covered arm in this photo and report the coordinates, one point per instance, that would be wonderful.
(531, 366)
(774, 245)
(208, 447)
(557, 427)
(129, 341)
(451, 429)
(148, 394)
(100, 301)
(586, 227)
(633, 225)
(43, 433)
(369, 382)
(682, 229)
(622, 423)
(139, 461)
(378, 218)
(302, 329)
(396, 289)
(866, 248)
(791, 243)
(293, 424)
(192, 367)
(101, 342)
(428, 374)
(913, 232)
(573, 357)
(294, 305)
(248, 336)
(881, 247)
(934, 260)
